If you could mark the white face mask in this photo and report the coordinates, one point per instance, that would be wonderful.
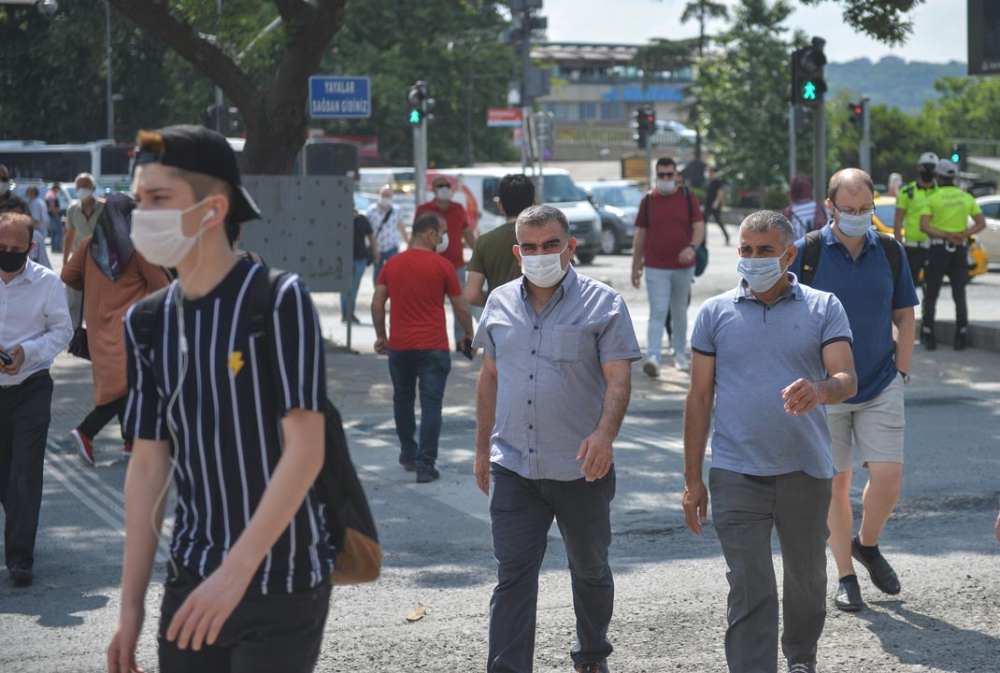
(666, 186)
(443, 193)
(761, 273)
(84, 193)
(385, 203)
(159, 234)
(854, 225)
(544, 270)
(443, 245)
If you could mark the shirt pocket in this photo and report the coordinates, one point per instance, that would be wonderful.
(562, 343)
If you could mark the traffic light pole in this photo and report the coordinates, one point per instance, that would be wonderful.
(819, 152)
(865, 160)
(792, 169)
(420, 162)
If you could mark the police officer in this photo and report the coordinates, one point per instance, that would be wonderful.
(944, 218)
(909, 202)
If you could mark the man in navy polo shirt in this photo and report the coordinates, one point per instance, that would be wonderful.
(767, 356)
(854, 265)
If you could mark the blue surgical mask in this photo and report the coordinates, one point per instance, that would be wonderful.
(853, 225)
(761, 273)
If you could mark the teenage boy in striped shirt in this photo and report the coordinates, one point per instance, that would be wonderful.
(247, 581)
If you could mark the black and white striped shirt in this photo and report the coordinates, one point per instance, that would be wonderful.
(226, 421)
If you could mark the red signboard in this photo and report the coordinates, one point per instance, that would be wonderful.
(503, 116)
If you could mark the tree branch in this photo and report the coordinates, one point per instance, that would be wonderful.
(156, 19)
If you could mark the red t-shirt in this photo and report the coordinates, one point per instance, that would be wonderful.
(458, 222)
(670, 229)
(418, 281)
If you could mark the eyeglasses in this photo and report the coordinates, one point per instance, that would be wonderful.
(665, 175)
(868, 211)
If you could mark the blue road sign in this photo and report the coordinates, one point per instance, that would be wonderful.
(340, 97)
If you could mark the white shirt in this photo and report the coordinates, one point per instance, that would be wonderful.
(387, 235)
(40, 214)
(34, 315)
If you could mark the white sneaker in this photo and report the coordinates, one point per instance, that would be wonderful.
(682, 362)
(651, 367)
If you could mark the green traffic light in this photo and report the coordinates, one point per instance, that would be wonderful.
(414, 116)
(809, 91)
(955, 158)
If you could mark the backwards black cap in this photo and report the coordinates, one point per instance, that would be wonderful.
(201, 150)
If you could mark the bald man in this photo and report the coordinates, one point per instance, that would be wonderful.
(869, 274)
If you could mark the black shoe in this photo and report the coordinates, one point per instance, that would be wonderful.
(883, 576)
(849, 594)
(802, 668)
(960, 338)
(426, 475)
(409, 464)
(21, 576)
(928, 339)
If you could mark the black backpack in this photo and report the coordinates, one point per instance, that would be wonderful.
(814, 245)
(352, 528)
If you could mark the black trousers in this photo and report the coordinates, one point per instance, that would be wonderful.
(917, 259)
(25, 412)
(955, 264)
(264, 634)
(101, 416)
(717, 214)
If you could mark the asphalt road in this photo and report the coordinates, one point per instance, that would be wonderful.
(670, 585)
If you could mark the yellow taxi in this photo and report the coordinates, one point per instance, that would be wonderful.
(885, 216)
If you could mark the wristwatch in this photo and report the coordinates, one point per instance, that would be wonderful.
(906, 378)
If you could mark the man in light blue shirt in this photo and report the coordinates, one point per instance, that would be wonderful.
(552, 394)
(767, 355)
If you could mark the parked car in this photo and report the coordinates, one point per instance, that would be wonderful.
(617, 202)
(990, 236)
(670, 126)
(885, 216)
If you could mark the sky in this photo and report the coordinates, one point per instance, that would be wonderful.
(939, 27)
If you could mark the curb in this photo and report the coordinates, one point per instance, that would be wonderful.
(985, 336)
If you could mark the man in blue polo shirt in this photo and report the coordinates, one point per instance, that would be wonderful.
(854, 265)
(767, 355)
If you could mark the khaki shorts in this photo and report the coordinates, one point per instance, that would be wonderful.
(876, 426)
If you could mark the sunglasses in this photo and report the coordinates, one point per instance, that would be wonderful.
(665, 175)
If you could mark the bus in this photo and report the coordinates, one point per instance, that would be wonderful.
(108, 162)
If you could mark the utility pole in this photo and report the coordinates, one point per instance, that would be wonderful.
(865, 158)
(110, 95)
(470, 149)
(792, 169)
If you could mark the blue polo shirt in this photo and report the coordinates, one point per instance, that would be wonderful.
(759, 350)
(869, 293)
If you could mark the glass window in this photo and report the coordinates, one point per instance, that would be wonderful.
(561, 189)
(587, 111)
(491, 188)
(991, 210)
(619, 196)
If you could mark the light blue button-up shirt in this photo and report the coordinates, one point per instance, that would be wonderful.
(551, 386)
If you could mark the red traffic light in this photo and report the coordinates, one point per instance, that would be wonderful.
(857, 110)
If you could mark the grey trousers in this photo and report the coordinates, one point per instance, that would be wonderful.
(521, 512)
(744, 511)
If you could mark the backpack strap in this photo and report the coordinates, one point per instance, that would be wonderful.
(146, 318)
(810, 256)
(893, 253)
(261, 297)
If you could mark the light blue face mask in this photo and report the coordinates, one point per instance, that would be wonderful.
(761, 273)
(853, 225)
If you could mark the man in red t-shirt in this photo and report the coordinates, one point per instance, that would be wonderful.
(459, 232)
(416, 282)
(668, 228)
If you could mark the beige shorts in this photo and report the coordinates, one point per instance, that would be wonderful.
(876, 426)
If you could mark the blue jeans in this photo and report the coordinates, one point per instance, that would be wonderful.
(667, 289)
(384, 256)
(348, 301)
(476, 311)
(521, 513)
(56, 233)
(428, 369)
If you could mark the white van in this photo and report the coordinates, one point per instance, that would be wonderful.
(476, 189)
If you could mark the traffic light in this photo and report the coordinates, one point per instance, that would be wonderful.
(645, 125)
(808, 83)
(857, 115)
(420, 102)
(960, 156)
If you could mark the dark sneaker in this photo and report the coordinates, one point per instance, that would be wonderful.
(960, 338)
(849, 594)
(21, 576)
(883, 576)
(801, 668)
(409, 464)
(426, 475)
(928, 339)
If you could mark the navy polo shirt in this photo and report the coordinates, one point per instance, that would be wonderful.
(869, 293)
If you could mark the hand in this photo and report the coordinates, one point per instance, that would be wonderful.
(382, 346)
(467, 343)
(17, 354)
(636, 277)
(481, 468)
(121, 651)
(800, 398)
(957, 239)
(686, 256)
(695, 503)
(597, 456)
(207, 608)
(376, 258)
